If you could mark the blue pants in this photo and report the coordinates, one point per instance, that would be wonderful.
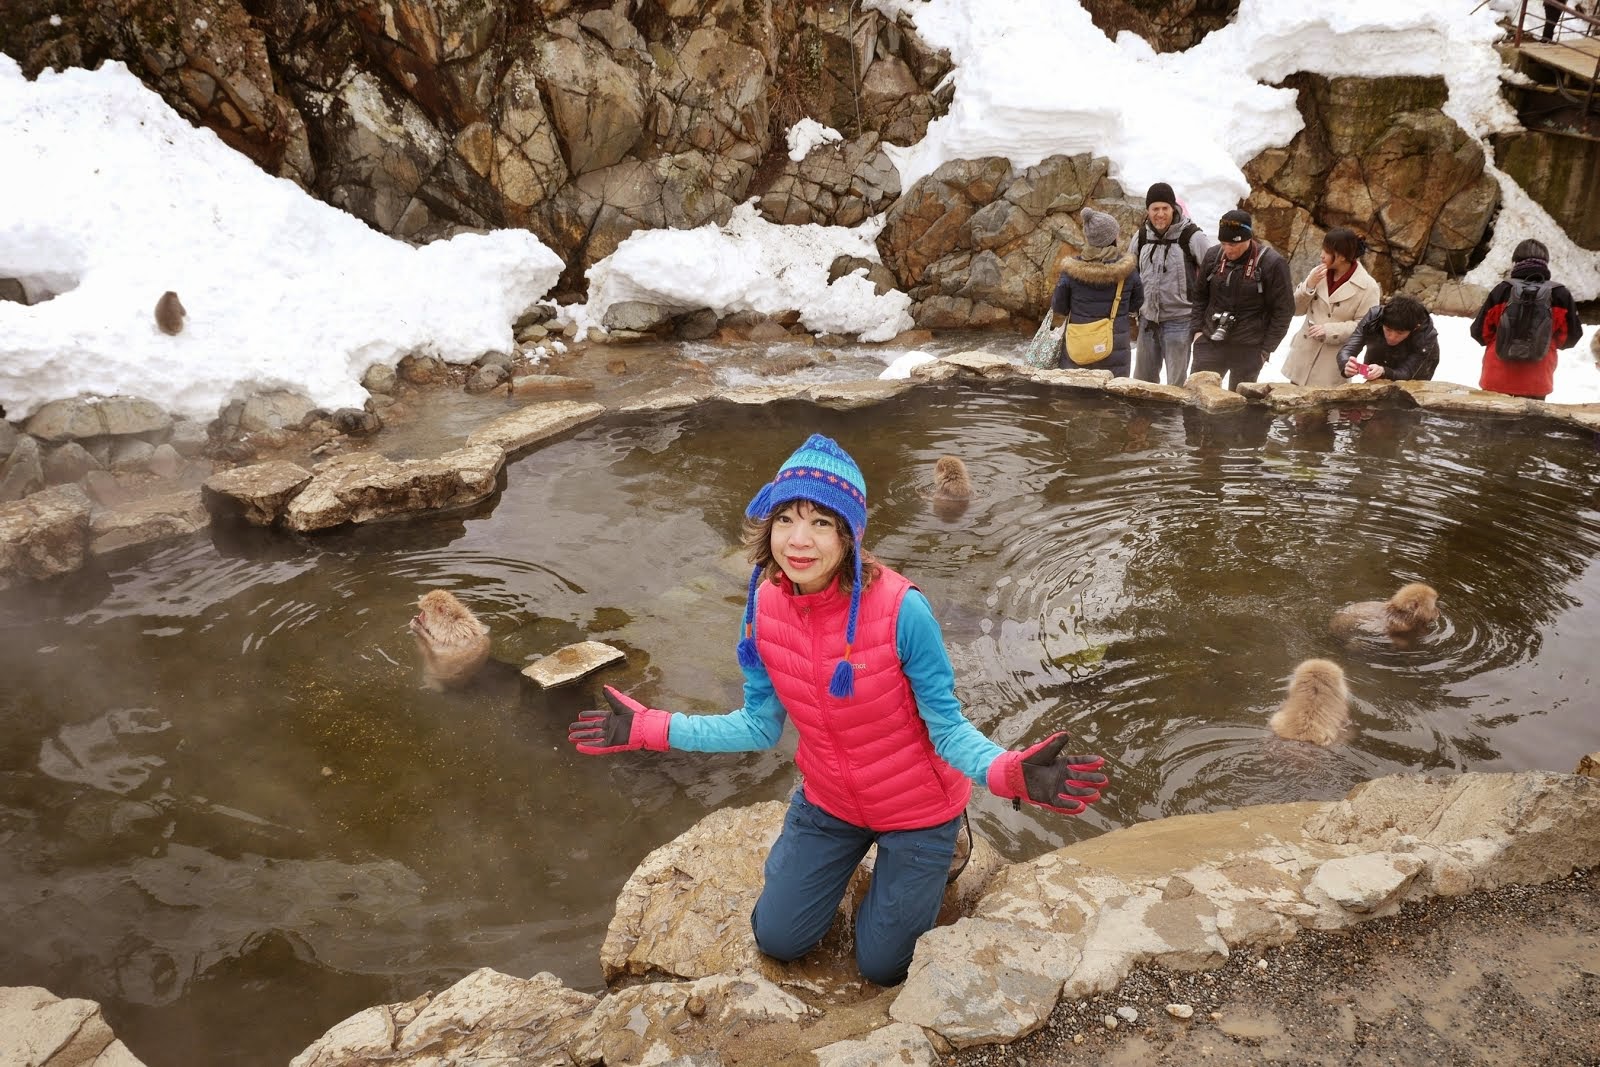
(809, 869)
(1163, 344)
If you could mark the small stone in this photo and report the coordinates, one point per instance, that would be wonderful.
(1128, 1013)
(1077, 1039)
(1216, 1016)
(696, 1005)
(1180, 1011)
(571, 663)
(1110, 1022)
(1261, 965)
(327, 772)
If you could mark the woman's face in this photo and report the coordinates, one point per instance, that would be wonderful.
(1335, 263)
(808, 545)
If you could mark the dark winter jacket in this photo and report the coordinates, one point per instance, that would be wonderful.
(1084, 294)
(1255, 288)
(1525, 379)
(1414, 359)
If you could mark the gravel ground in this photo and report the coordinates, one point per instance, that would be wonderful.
(1510, 976)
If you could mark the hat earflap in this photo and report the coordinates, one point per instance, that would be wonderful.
(844, 675)
(749, 658)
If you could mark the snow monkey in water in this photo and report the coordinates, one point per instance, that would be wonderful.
(453, 643)
(1318, 707)
(169, 313)
(1402, 618)
(952, 488)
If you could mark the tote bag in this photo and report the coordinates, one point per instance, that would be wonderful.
(1044, 350)
(1090, 342)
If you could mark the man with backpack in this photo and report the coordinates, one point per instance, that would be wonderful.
(1169, 249)
(1243, 302)
(1521, 324)
(1400, 341)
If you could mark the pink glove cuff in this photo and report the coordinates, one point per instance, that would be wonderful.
(1005, 776)
(651, 727)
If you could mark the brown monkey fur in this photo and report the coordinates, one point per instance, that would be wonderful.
(950, 479)
(1402, 618)
(952, 487)
(453, 643)
(170, 313)
(1318, 706)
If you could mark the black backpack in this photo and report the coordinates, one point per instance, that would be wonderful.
(1523, 333)
(1188, 230)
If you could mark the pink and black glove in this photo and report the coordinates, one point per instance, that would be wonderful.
(628, 726)
(1045, 778)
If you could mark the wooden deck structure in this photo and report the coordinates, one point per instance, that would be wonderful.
(1574, 54)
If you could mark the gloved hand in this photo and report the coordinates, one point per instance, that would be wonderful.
(629, 725)
(1045, 778)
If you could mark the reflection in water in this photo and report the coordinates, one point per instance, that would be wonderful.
(222, 785)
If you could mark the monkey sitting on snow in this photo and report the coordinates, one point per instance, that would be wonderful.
(453, 643)
(1318, 706)
(1402, 618)
(170, 313)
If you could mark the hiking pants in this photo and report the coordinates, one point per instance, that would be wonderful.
(1237, 363)
(809, 869)
(1163, 344)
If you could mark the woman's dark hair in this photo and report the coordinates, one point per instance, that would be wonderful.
(1531, 248)
(1345, 243)
(1404, 313)
(758, 548)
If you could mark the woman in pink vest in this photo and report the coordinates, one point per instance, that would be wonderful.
(850, 651)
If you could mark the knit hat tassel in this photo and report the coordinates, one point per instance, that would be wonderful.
(844, 675)
(761, 506)
(844, 678)
(749, 658)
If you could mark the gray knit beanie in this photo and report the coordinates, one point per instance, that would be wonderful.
(1099, 229)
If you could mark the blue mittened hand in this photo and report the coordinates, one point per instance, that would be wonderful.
(1043, 777)
(626, 727)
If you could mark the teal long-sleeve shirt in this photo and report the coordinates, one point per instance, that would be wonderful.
(920, 646)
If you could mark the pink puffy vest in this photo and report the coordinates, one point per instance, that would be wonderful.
(866, 759)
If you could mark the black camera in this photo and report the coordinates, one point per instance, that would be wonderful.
(1221, 323)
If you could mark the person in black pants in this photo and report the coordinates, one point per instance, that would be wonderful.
(1552, 15)
(1243, 303)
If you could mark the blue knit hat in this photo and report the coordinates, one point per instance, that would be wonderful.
(821, 472)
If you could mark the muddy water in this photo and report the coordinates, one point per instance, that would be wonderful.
(232, 816)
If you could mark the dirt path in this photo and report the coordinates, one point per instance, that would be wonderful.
(1510, 976)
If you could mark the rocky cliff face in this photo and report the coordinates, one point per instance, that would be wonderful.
(585, 121)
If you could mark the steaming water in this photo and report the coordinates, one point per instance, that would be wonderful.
(231, 815)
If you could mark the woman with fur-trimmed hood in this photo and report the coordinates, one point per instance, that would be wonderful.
(1088, 287)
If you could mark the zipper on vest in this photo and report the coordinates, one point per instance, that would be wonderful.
(827, 703)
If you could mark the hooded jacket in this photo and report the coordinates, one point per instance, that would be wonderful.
(1164, 269)
(1414, 359)
(1084, 293)
(1317, 363)
(1525, 379)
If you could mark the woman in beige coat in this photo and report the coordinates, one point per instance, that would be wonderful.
(1334, 296)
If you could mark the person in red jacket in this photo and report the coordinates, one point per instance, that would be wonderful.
(1534, 380)
(850, 651)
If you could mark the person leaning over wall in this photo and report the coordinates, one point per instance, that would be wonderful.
(1101, 282)
(1531, 378)
(1333, 298)
(1168, 251)
(1243, 303)
(1399, 340)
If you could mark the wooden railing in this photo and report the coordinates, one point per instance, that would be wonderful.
(1564, 37)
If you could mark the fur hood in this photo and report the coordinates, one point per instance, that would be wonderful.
(1091, 273)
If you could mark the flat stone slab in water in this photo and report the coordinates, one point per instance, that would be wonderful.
(571, 663)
